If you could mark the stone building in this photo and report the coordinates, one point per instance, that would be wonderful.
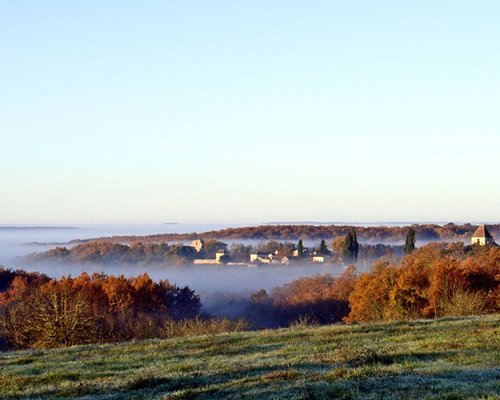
(197, 244)
(482, 236)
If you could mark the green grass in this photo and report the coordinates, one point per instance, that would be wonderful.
(440, 359)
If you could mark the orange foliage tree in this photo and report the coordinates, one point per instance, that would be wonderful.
(370, 298)
(90, 308)
(435, 280)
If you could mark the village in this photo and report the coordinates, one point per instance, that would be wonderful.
(261, 257)
(481, 237)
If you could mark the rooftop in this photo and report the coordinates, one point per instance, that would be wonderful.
(482, 232)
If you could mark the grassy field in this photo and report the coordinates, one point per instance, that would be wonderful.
(441, 359)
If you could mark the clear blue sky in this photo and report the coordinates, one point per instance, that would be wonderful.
(233, 111)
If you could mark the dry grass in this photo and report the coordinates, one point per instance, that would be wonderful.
(199, 326)
(461, 302)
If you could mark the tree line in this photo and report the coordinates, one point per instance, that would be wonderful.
(343, 249)
(36, 311)
(377, 234)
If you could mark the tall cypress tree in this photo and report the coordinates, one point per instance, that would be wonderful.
(300, 248)
(355, 246)
(410, 241)
(351, 247)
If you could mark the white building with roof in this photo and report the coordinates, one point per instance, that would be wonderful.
(482, 236)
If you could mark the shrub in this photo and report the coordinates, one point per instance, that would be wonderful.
(302, 321)
(457, 302)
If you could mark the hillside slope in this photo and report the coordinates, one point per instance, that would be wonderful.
(448, 358)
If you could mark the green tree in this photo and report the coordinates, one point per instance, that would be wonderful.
(212, 246)
(351, 247)
(323, 248)
(410, 241)
(300, 247)
(240, 252)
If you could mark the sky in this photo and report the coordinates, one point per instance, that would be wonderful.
(249, 111)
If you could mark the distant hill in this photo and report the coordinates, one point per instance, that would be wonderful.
(438, 359)
(33, 228)
(372, 234)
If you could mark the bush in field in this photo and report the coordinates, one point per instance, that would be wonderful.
(457, 301)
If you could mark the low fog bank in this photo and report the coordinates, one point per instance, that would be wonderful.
(10, 253)
(224, 290)
(202, 278)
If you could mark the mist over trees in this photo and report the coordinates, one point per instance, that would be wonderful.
(138, 253)
(345, 242)
(435, 280)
